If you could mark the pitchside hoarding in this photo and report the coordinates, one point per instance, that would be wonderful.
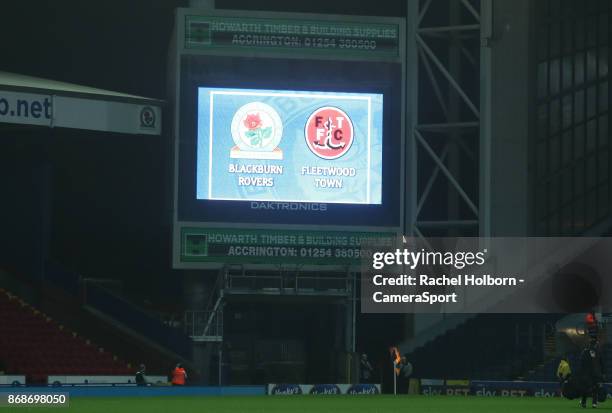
(286, 123)
(490, 388)
(322, 389)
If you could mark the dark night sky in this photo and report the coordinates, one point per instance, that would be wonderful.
(109, 207)
(118, 45)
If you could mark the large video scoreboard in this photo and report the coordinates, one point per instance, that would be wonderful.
(288, 137)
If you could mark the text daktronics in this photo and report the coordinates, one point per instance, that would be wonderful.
(289, 206)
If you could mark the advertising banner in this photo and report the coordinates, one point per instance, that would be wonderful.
(485, 388)
(323, 389)
(276, 246)
(367, 40)
(12, 380)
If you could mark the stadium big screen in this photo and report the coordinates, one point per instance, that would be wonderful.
(289, 141)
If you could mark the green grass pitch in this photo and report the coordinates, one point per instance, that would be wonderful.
(318, 404)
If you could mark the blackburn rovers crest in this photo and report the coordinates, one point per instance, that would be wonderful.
(256, 130)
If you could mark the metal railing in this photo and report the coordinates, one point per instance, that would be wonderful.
(289, 283)
(206, 323)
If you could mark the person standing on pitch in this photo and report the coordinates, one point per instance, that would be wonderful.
(591, 372)
(564, 373)
(141, 378)
(564, 370)
(366, 369)
(179, 375)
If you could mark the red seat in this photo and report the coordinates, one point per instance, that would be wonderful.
(35, 347)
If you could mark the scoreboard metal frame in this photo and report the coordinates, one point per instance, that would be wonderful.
(178, 49)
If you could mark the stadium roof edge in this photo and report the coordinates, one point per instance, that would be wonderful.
(24, 83)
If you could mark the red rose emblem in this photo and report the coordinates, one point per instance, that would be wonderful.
(252, 121)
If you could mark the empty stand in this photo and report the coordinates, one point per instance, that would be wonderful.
(487, 347)
(33, 344)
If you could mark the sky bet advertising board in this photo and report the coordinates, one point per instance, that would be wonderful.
(289, 146)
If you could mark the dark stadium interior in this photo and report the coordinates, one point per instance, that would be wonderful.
(88, 285)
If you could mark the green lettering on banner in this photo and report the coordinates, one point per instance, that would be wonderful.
(368, 40)
(277, 246)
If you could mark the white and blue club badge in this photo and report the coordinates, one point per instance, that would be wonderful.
(257, 130)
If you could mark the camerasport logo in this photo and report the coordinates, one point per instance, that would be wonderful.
(329, 132)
